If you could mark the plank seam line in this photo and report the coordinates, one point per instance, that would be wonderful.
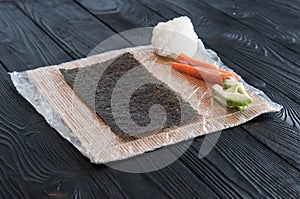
(3, 65)
(95, 16)
(209, 185)
(261, 33)
(149, 8)
(103, 22)
(71, 55)
(298, 169)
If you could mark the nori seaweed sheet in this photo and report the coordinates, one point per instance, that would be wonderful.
(128, 98)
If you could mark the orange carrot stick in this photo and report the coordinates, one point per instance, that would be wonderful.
(184, 59)
(208, 75)
(192, 62)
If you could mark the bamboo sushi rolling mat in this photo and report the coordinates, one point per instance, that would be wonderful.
(93, 137)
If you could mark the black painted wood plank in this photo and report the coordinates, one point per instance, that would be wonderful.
(179, 185)
(286, 143)
(36, 162)
(74, 29)
(129, 18)
(279, 20)
(243, 168)
(22, 44)
(174, 180)
(121, 15)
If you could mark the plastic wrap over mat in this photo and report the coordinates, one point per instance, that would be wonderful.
(46, 89)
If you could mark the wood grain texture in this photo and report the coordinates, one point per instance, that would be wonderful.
(74, 29)
(50, 167)
(290, 111)
(211, 26)
(262, 173)
(286, 143)
(21, 43)
(54, 169)
(121, 15)
(102, 9)
(256, 53)
(247, 59)
(35, 161)
(279, 20)
(129, 18)
(289, 115)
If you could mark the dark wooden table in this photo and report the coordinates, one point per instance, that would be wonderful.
(260, 40)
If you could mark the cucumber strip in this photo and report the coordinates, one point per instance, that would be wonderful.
(231, 99)
(220, 101)
(228, 83)
(241, 89)
(233, 89)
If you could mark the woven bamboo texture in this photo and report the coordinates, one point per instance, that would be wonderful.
(95, 139)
